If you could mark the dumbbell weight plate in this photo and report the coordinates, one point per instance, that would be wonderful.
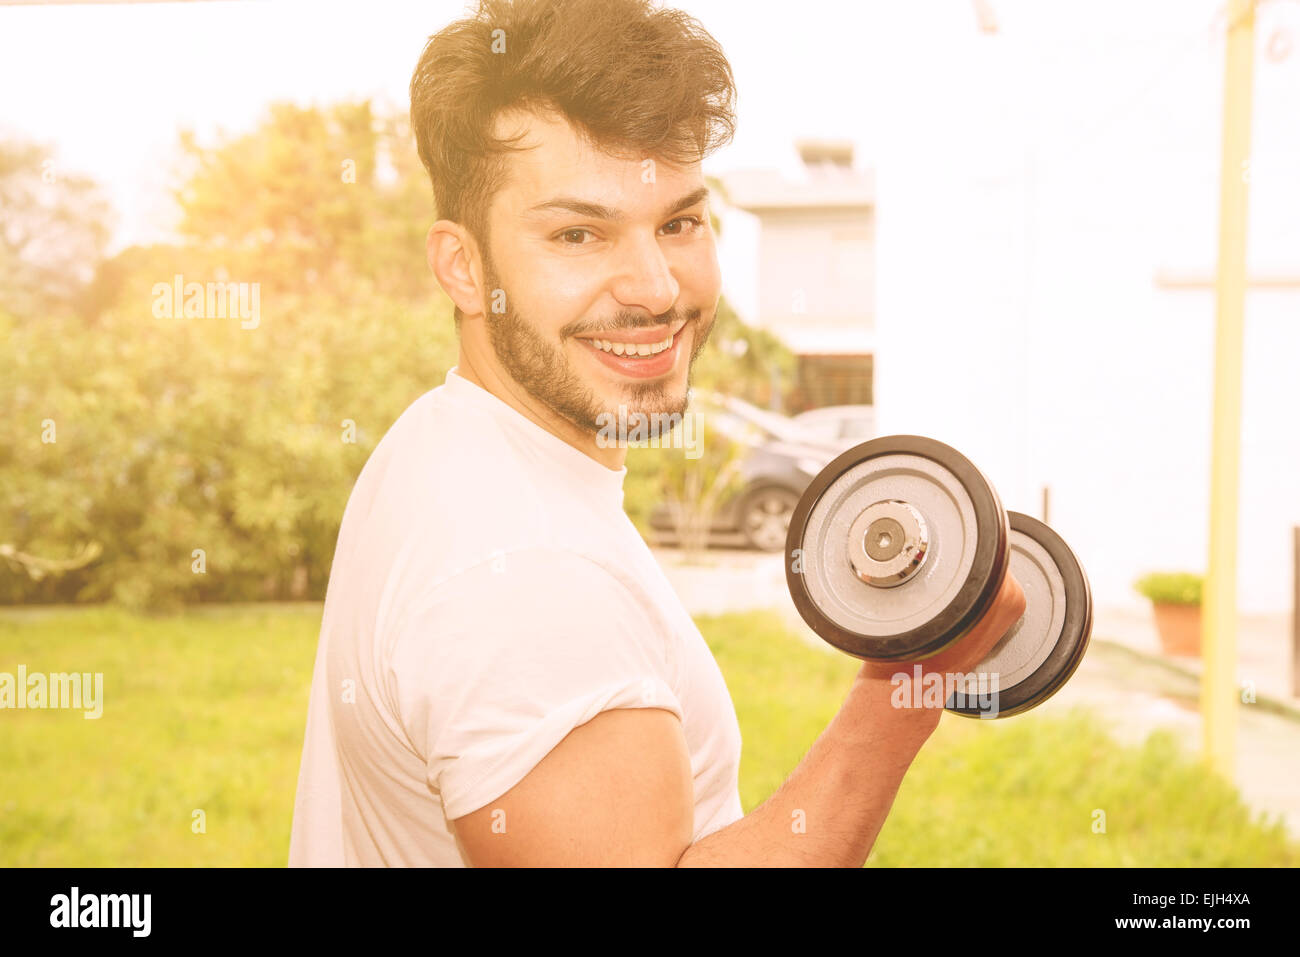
(966, 549)
(1042, 650)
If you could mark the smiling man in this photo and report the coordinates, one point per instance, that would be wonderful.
(504, 675)
(616, 266)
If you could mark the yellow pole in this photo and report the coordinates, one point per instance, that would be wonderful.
(1219, 680)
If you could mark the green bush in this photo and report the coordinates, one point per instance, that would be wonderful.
(1174, 588)
(196, 458)
(208, 462)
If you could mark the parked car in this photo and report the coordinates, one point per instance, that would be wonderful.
(782, 460)
(848, 425)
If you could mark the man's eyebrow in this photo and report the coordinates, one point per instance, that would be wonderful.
(608, 213)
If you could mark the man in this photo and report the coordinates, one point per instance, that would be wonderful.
(504, 675)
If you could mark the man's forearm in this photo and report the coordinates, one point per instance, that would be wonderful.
(831, 807)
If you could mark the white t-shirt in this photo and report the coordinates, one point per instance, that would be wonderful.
(488, 595)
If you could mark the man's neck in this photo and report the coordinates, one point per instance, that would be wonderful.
(487, 377)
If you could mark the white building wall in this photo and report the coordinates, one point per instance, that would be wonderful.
(815, 266)
(1030, 186)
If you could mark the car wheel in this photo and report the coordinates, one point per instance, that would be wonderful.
(765, 517)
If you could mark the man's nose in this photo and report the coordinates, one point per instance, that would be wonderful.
(644, 277)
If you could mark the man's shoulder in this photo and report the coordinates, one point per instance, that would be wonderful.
(443, 473)
(527, 580)
(434, 440)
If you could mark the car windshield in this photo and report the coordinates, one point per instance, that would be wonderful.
(846, 423)
(732, 425)
(778, 425)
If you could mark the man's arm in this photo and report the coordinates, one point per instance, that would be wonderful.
(831, 807)
(617, 790)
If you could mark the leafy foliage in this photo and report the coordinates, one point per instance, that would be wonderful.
(1175, 588)
(744, 361)
(694, 488)
(175, 435)
(53, 229)
(155, 435)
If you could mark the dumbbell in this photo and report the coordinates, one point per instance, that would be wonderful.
(898, 548)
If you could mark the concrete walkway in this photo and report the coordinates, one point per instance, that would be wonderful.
(1124, 677)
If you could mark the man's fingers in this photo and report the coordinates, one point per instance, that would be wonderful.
(974, 647)
(1004, 612)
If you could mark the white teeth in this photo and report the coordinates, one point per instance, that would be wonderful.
(632, 349)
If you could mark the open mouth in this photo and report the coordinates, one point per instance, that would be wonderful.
(637, 359)
(636, 349)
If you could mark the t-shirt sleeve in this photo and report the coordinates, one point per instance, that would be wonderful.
(500, 662)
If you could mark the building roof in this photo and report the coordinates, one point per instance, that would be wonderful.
(829, 181)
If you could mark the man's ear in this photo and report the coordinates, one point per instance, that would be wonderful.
(453, 258)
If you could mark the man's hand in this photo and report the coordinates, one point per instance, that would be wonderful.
(616, 792)
(974, 647)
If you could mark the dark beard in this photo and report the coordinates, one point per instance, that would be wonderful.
(543, 371)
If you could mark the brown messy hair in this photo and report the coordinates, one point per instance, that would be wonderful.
(630, 78)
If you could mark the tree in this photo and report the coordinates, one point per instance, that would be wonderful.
(54, 227)
(326, 199)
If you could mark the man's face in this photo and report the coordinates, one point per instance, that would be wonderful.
(585, 249)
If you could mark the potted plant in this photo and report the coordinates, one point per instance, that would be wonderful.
(1176, 597)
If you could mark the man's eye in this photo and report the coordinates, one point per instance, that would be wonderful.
(574, 232)
(574, 237)
(693, 221)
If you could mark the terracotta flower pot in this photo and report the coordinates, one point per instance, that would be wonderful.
(1179, 627)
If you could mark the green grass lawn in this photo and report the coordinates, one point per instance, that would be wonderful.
(205, 711)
